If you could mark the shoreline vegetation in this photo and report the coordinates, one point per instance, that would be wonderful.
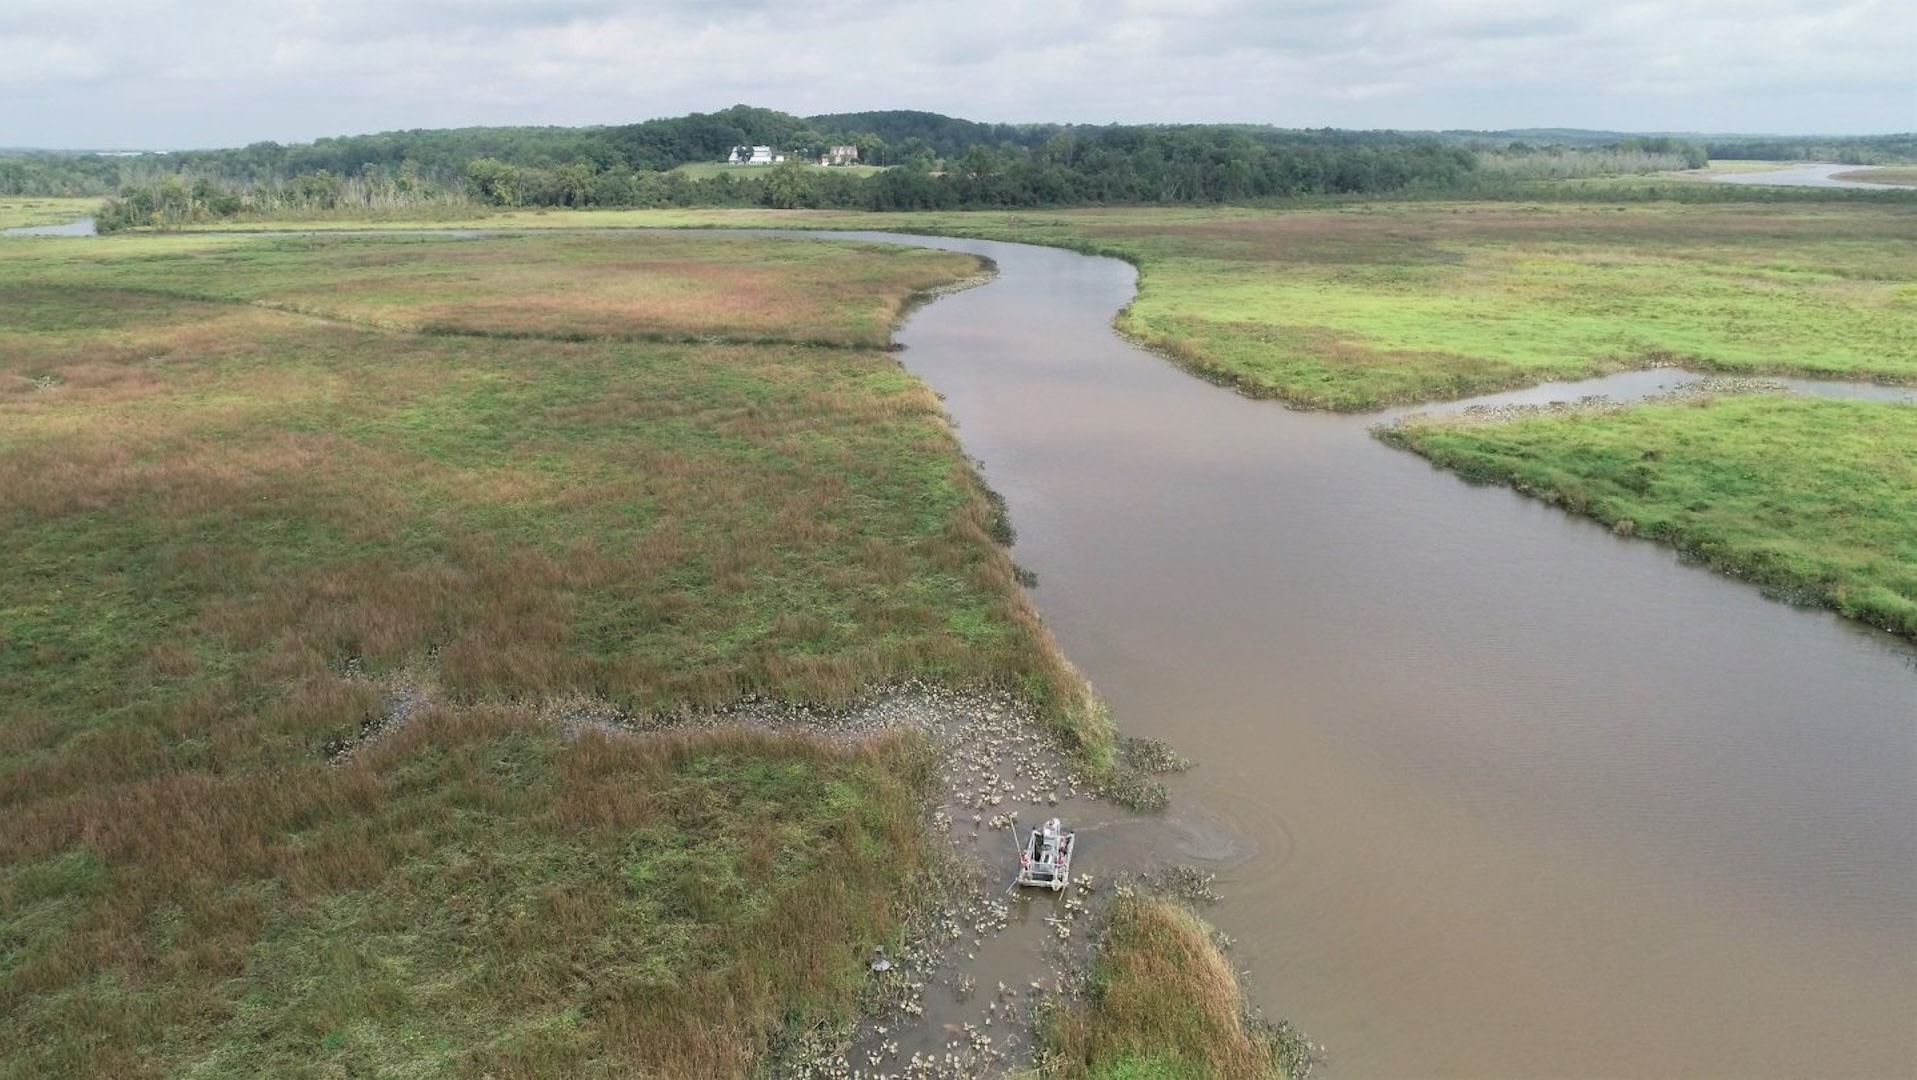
(342, 565)
(1161, 1001)
(1365, 304)
(1898, 175)
(1812, 500)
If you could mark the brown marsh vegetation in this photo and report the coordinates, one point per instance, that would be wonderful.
(240, 537)
(574, 287)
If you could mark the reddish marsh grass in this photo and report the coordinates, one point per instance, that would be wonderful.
(566, 287)
(232, 531)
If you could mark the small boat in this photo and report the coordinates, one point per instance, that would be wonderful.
(1045, 859)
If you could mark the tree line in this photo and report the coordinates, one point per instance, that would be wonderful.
(1839, 149)
(932, 162)
(928, 141)
(1107, 165)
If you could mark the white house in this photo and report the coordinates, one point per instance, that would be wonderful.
(754, 155)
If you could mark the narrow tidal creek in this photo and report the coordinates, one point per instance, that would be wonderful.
(1490, 791)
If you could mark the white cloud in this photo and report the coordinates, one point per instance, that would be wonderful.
(32, 60)
(223, 72)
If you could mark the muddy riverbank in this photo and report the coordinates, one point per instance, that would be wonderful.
(961, 996)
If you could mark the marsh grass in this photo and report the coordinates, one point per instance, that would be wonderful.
(554, 287)
(1161, 1002)
(1889, 174)
(1369, 306)
(1359, 305)
(232, 528)
(471, 896)
(1813, 500)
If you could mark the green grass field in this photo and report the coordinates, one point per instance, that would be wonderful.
(257, 490)
(1814, 500)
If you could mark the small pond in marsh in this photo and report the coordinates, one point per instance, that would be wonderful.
(82, 227)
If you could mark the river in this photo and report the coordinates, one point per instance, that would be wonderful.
(1818, 175)
(1491, 791)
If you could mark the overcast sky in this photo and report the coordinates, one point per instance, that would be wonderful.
(196, 73)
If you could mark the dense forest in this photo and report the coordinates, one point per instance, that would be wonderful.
(927, 161)
(46, 173)
(1842, 149)
(1110, 166)
(1839, 149)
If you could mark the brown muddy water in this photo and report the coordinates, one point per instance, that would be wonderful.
(1490, 791)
